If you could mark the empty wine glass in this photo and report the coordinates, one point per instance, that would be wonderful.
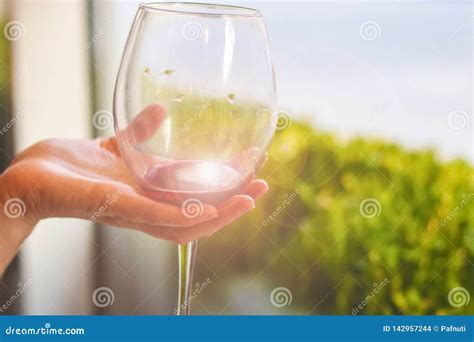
(209, 69)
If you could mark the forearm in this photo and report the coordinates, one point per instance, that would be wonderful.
(14, 225)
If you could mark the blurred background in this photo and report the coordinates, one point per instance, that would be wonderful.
(371, 208)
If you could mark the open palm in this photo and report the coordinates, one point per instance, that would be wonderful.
(88, 179)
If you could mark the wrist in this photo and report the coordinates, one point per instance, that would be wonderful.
(15, 224)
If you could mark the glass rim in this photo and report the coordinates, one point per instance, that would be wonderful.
(191, 8)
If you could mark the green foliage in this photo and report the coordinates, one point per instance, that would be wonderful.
(6, 138)
(194, 115)
(331, 251)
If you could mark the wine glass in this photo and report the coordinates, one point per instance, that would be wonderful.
(209, 69)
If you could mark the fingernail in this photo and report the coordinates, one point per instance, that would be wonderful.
(262, 191)
(249, 205)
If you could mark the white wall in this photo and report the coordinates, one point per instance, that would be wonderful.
(51, 80)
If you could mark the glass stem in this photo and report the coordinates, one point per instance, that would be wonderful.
(187, 257)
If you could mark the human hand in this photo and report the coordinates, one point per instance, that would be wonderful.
(88, 179)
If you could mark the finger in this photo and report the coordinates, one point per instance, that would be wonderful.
(134, 207)
(232, 209)
(256, 189)
(229, 211)
(145, 124)
(142, 128)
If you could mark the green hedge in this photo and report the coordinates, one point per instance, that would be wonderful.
(361, 227)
